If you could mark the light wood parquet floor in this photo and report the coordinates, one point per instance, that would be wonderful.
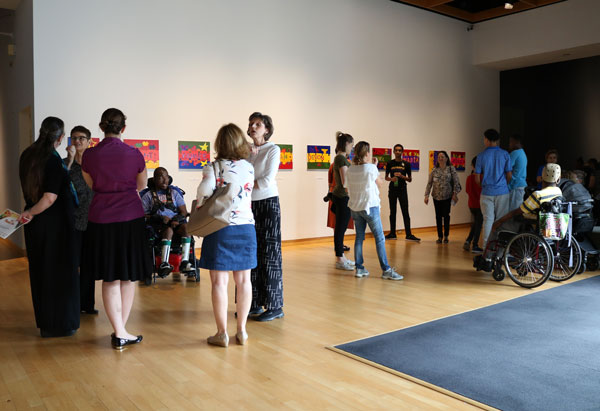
(285, 364)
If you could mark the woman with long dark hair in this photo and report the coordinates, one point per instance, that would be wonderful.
(116, 250)
(444, 186)
(50, 201)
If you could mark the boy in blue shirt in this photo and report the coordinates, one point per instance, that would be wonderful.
(493, 171)
(165, 210)
(518, 160)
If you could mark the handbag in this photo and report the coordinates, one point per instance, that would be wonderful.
(553, 226)
(215, 213)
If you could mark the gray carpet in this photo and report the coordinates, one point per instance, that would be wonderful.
(537, 352)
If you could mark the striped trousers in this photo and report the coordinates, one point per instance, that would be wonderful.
(267, 282)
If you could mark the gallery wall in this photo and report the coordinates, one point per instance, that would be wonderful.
(381, 71)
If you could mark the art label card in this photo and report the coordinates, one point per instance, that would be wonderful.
(193, 155)
(458, 160)
(319, 157)
(148, 148)
(413, 157)
(383, 155)
(286, 161)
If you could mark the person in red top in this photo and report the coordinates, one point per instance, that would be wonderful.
(474, 192)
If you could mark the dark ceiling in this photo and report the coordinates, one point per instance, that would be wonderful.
(475, 11)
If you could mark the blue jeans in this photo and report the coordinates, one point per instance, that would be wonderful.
(361, 219)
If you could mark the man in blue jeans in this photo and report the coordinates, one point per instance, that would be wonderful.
(518, 160)
(493, 171)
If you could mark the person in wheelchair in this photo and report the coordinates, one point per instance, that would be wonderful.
(515, 220)
(165, 211)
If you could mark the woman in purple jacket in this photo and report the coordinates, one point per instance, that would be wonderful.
(117, 252)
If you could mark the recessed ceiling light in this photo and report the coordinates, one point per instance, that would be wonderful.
(508, 6)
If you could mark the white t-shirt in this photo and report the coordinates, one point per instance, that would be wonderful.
(238, 172)
(266, 165)
(362, 189)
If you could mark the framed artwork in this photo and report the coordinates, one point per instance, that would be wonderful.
(318, 157)
(432, 159)
(413, 157)
(193, 155)
(148, 148)
(457, 158)
(286, 161)
(383, 155)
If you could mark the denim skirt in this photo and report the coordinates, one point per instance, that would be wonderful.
(232, 248)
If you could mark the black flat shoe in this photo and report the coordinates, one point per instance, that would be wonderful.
(52, 333)
(253, 312)
(269, 315)
(346, 248)
(92, 311)
(121, 343)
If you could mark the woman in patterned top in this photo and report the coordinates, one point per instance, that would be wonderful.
(444, 186)
(232, 248)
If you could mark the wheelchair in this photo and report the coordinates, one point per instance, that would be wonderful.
(175, 256)
(527, 257)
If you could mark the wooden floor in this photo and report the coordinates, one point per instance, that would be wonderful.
(285, 364)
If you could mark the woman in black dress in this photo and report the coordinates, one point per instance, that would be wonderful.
(50, 203)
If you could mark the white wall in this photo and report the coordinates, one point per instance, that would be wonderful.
(382, 71)
(16, 93)
(572, 26)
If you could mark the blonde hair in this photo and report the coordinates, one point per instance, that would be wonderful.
(231, 144)
(361, 149)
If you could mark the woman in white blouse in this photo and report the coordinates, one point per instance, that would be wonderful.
(232, 248)
(267, 284)
(362, 181)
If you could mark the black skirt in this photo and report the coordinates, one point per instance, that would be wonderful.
(117, 251)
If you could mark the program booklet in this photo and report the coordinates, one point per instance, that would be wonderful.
(10, 221)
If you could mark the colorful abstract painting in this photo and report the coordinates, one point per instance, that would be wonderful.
(286, 156)
(413, 157)
(458, 160)
(148, 148)
(432, 159)
(193, 155)
(383, 155)
(318, 157)
(93, 142)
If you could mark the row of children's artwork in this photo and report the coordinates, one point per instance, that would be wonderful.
(194, 155)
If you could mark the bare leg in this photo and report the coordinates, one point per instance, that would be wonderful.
(219, 280)
(127, 296)
(111, 295)
(244, 297)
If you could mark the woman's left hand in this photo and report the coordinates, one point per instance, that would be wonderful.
(26, 217)
(455, 198)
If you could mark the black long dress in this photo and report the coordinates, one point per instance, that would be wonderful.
(49, 242)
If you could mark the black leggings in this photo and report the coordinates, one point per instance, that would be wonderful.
(476, 226)
(399, 195)
(442, 211)
(342, 217)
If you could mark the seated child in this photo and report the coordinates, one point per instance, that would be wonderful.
(530, 207)
(165, 210)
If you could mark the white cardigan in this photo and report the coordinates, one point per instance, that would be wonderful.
(266, 165)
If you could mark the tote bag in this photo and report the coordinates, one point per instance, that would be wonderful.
(215, 213)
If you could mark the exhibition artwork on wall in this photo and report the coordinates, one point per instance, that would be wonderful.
(432, 159)
(148, 148)
(318, 157)
(413, 157)
(193, 155)
(383, 155)
(93, 142)
(286, 161)
(458, 160)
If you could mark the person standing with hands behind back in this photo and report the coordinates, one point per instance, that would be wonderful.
(398, 173)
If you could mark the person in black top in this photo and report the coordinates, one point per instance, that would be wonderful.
(398, 173)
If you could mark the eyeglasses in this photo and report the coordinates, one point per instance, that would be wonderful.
(78, 138)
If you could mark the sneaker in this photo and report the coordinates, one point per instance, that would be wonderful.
(445, 240)
(352, 263)
(412, 238)
(476, 250)
(391, 236)
(467, 246)
(164, 269)
(361, 272)
(185, 267)
(391, 274)
(439, 240)
(344, 266)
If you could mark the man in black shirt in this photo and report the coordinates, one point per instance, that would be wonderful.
(398, 173)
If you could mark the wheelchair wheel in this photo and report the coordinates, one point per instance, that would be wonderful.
(528, 260)
(567, 259)
(498, 272)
